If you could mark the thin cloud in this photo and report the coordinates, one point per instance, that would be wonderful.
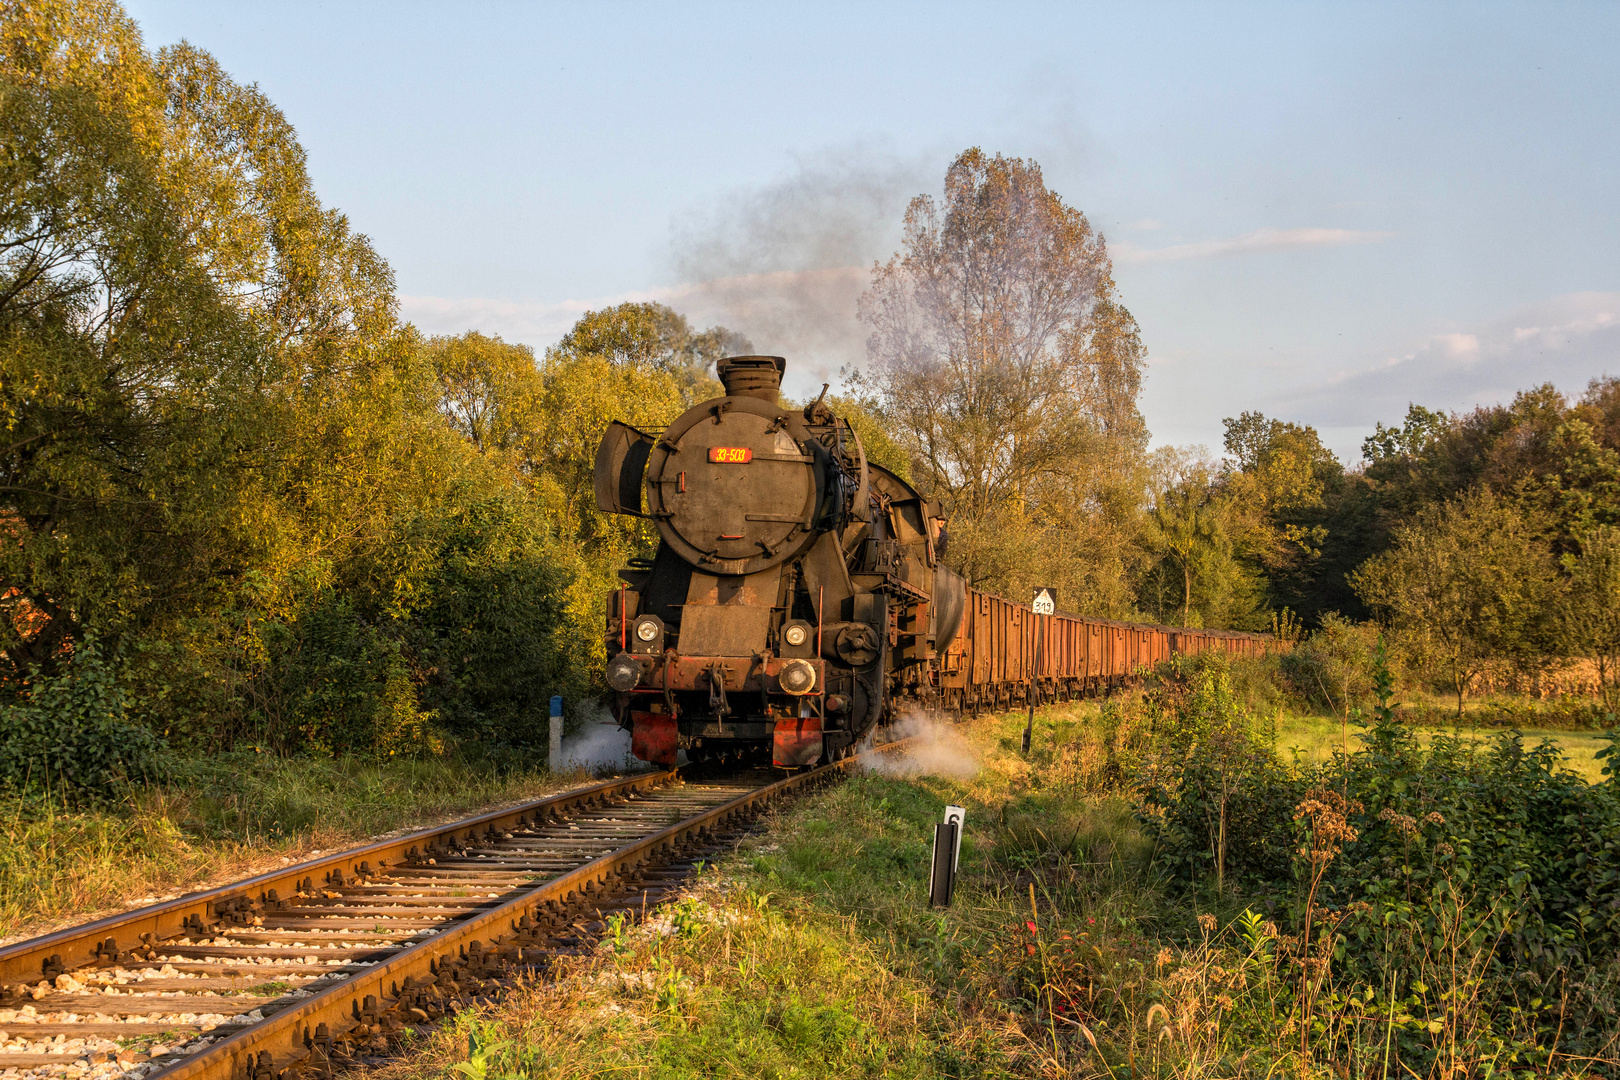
(1565, 340)
(1261, 240)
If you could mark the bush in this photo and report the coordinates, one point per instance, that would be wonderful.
(337, 684)
(1489, 873)
(1332, 668)
(67, 734)
(1215, 796)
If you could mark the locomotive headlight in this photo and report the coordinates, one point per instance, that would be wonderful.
(646, 629)
(623, 673)
(797, 677)
(795, 635)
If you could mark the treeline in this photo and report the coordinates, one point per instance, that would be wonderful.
(1007, 368)
(1486, 541)
(244, 503)
(241, 501)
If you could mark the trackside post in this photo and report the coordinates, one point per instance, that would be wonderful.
(947, 853)
(555, 750)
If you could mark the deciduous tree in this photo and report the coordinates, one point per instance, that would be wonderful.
(1003, 359)
(1471, 579)
(654, 336)
(1589, 616)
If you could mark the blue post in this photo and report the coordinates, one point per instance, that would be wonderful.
(556, 731)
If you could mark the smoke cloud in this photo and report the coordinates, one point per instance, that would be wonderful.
(937, 749)
(786, 263)
(600, 747)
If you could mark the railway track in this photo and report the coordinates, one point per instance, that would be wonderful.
(290, 973)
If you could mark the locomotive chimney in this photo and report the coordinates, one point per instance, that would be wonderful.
(752, 376)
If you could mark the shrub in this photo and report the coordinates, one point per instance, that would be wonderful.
(1486, 876)
(1332, 668)
(337, 684)
(1215, 796)
(68, 734)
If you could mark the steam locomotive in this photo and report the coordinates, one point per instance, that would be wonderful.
(797, 595)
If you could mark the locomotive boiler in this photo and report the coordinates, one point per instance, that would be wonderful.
(796, 589)
(797, 595)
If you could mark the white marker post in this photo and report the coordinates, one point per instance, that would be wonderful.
(947, 854)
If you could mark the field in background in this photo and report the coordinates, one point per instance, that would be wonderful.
(1318, 737)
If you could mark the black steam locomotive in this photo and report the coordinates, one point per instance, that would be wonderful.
(796, 591)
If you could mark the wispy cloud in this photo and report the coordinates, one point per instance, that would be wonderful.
(1260, 240)
(1565, 340)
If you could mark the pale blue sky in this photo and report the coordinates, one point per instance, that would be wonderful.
(1322, 213)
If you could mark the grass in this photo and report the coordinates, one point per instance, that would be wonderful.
(227, 818)
(1316, 738)
(812, 951)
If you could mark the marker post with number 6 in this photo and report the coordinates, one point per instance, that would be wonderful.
(947, 854)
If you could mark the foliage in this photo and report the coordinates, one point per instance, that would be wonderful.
(1214, 795)
(1469, 581)
(300, 523)
(1190, 530)
(70, 735)
(1589, 615)
(1332, 667)
(654, 336)
(1484, 874)
(1003, 360)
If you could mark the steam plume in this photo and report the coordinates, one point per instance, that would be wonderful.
(785, 263)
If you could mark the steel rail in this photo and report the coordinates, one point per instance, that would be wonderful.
(294, 1033)
(28, 961)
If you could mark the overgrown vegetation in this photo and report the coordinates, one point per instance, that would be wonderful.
(225, 817)
(1154, 891)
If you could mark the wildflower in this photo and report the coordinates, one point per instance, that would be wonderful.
(1031, 926)
(1163, 958)
(1206, 923)
(1328, 814)
(1406, 826)
(1433, 818)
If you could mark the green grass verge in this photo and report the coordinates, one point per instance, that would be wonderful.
(812, 952)
(229, 817)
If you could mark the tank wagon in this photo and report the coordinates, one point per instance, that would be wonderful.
(798, 596)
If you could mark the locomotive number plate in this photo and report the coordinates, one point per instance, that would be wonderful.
(731, 455)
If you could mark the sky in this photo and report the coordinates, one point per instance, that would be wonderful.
(1323, 213)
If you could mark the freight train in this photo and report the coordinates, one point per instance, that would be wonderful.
(798, 595)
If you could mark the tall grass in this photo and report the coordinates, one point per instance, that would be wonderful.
(1088, 940)
(227, 817)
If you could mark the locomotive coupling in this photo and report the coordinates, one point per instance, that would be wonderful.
(624, 673)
